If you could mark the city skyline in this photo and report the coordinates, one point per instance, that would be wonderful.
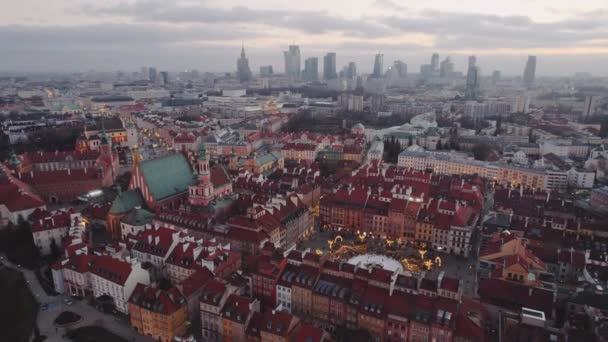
(183, 35)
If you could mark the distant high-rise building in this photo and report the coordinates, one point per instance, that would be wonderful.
(292, 62)
(311, 69)
(242, 67)
(351, 70)
(152, 75)
(472, 61)
(401, 68)
(446, 69)
(435, 62)
(473, 80)
(266, 71)
(495, 76)
(164, 77)
(378, 66)
(378, 103)
(590, 107)
(426, 71)
(530, 71)
(329, 66)
(521, 103)
(145, 74)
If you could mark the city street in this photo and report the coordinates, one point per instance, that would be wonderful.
(90, 316)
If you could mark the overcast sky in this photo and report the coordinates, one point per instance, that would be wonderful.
(77, 35)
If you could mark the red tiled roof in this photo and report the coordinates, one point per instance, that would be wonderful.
(58, 156)
(219, 176)
(212, 292)
(16, 195)
(515, 295)
(470, 320)
(150, 298)
(237, 308)
(55, 221)
(309, 333)
(575, 258)
(374, 302)
(79, 263)
(449, 284)
(156, 241)
(195, 281)
(276, 323)
(58, 176)
(111, 269)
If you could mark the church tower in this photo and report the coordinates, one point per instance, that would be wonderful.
(202, 193)
(104, 146)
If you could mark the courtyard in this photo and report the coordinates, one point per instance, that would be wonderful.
(345, 245)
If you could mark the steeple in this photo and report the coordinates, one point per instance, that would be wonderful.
(136, 157)
(13, 160)
(202, 152)
(103, 136)
(243, 50)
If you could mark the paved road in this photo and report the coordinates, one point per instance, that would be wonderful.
(88, 313)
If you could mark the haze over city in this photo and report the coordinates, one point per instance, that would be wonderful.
(65, 35)
(310, 171)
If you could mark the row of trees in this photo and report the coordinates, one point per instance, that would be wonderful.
(392, 148)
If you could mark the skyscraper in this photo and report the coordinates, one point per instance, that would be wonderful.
(242, 67)
(530, 71)
(144, 74)
(351, 70)
(591, 102)
(164, 77)
(496, 76)
(401, 68)
(292, 62)
(329, 66)
(426, 71)
(311, 69)
(152, 75)
(435, 62)
(378, 66)
(472, 61)
(473, 79)
(446, 69)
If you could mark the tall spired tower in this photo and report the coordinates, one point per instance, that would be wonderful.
(242, 67)
(202, 193)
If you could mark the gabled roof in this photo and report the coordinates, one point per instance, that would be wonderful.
(167, 176)
(219, 176)
(276, 323)
(164, 302)
(195, 281)
(237, 308)
(126, 201)
(111, 269)
(16, 195)
(309, 333)
(138, 217)
(514, 295)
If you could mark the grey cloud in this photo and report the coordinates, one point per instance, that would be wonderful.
(111, 35)
(389, 4)
(462, 31)
(310, 22)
